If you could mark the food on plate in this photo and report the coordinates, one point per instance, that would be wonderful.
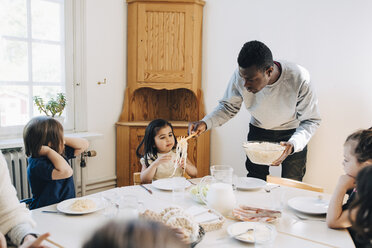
(175, 217)
(172, 213)
(248, 236)
(82, 205)
(197, 190)
(246, 213)
(252, 232)
(189, 227)
(214, 224)
(168, 209)
(264, 153)
(151, 215)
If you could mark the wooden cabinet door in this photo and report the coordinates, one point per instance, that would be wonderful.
(165, 43)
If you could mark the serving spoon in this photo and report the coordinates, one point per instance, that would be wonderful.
(236, 235)
(268, 189)
(248, 230)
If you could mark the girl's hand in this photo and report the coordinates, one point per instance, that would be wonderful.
(347, 181)
(163, 159)
(32, 242)
(181, 164)
(44, 150)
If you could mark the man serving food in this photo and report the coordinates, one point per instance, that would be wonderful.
(282, 104)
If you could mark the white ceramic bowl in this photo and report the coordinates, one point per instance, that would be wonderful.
(262, 152)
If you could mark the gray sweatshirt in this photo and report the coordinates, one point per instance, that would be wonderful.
(287, 104)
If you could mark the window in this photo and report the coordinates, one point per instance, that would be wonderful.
(36, 59)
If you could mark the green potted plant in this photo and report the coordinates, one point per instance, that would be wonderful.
(54, 107)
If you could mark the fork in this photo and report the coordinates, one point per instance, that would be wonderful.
(191, 182)
(148, 190)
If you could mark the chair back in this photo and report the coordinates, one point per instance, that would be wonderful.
(137, 178)
(293, 183)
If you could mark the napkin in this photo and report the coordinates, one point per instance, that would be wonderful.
(201, 214)
(195, 210)
(205, 217)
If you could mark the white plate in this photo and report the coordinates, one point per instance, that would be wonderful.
(65, 206)
(263, 233)
(309, 205)
(166, 184)
(249, 183)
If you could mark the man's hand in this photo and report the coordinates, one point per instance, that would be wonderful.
(197, 127)
(288, 150)
(31, 242)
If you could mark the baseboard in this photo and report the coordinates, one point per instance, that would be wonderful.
(97, 185)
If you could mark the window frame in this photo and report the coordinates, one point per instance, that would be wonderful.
(73, 30)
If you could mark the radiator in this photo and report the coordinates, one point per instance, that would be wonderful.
(17, 165)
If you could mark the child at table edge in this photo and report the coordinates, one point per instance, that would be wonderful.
(48, 171)
(15, 219)
(159, 154)
(357, 156)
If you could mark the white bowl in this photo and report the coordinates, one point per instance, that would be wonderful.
(261, 152)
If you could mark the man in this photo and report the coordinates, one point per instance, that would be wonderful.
(282, 104)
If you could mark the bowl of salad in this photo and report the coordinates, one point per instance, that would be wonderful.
(197, 190)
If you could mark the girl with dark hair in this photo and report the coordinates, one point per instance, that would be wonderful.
(48, 171)
(357, 155)
(157, 153)
(361, 209)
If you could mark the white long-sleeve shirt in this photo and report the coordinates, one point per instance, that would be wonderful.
(15, 218)
(289, 103)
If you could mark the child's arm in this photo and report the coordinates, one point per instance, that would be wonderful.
(79, 144)
(147, 173)
(62, 169)
(336, 217)
(190, 169)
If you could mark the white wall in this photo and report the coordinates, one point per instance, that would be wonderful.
(330, 38)
(105, 58)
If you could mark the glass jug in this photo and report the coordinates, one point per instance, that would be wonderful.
(220, 195)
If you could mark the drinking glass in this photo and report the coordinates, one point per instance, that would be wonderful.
(110, 202)
(277, 196)
(178, 189)
(129, 207)
(222, 173)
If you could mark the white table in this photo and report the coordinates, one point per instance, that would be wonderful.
(72, 231)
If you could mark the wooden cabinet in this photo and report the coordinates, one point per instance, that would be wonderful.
(164, 44)
(163, 79)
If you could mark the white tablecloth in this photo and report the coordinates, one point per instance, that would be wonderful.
(71, 231)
